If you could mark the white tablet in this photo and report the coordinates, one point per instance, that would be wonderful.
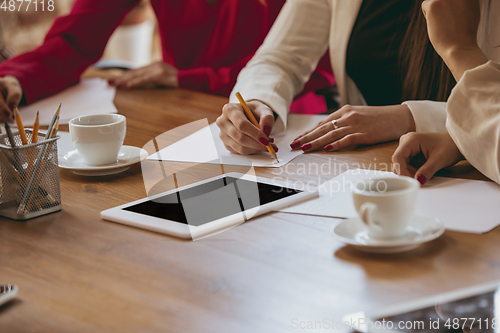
(209, 206)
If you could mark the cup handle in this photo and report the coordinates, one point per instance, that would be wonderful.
(366, 214)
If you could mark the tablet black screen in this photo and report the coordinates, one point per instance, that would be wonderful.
(212, 201)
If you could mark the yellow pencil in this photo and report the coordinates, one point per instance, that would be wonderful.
(36, 127)
(254, 121)
(20, 127)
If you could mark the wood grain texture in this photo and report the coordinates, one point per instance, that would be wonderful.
(79, 273)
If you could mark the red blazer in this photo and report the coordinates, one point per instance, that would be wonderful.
(209, 45)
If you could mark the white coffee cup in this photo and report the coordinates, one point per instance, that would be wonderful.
(98, 138)
(386, 205)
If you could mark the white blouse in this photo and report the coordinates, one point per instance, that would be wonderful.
(474, 104)
(474, 118)
(303, 31)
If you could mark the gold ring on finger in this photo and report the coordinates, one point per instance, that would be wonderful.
(334, 123)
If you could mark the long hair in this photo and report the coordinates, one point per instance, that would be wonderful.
(426, 76)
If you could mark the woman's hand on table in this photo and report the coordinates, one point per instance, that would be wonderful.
(438, 149)
(12, 93)
(239, 135)
(452, 27)
(357, 125)
(157, 74)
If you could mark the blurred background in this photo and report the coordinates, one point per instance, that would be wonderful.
(134, 41)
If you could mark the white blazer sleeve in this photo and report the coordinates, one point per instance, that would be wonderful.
(288, 56)
(474, 118)
(429, 116)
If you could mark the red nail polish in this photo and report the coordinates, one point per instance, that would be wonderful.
(111, 82)
(271, 140)
(124, 85)
(422, 179)
(328, 148)
(264, 141)
(306, 147)
(275, 149)
(267, 130)
(295, 145)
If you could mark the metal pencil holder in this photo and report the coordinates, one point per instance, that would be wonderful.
(29, 177)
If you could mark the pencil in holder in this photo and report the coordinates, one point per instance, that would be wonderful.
(29, 177)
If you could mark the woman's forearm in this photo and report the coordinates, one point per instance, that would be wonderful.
(461, 60)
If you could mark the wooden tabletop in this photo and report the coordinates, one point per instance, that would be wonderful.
(78, 273)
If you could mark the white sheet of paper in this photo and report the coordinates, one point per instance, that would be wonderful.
(90, 96)
(205, 144)
(461, 204)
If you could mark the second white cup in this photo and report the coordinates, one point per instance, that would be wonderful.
(98, 138)
(386, 205)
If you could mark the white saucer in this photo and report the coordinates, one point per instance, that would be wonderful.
(70, 159)
(421, 229)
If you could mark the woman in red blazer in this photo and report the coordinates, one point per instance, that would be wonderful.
(205, 43)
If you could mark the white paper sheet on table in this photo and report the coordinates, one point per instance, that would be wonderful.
(90, 96)
(463, 205)
(199, 147)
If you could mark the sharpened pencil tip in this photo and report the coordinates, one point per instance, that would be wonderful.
(58, 110)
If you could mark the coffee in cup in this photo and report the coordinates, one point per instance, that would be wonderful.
(386, 205)
(98, 138)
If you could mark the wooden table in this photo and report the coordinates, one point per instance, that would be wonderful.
(78, 273)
